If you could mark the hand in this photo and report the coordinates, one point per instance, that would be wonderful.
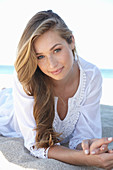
(110, 151)
(104, 160)
(96, 146)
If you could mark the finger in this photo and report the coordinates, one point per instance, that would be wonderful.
(110, 151)
(103, 149)
(86, 146)
(98, 143)
(95, 152)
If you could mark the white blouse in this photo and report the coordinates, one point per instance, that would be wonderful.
(81, 122)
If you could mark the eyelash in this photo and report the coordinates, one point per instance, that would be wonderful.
(55, 51)
(40, 57)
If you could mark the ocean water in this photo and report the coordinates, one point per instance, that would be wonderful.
(107, 73)
(5, 69)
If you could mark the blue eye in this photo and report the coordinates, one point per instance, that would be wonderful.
(57, 50)
(40, 57)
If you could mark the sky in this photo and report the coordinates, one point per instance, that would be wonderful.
(90, 20)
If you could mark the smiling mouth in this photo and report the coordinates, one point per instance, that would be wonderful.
(57, 71)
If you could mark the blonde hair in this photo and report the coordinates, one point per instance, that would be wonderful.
(33, 80)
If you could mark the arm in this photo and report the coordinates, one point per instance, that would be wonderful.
(67, 155)
(75, 157)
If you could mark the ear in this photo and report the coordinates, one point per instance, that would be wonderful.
(73, 43)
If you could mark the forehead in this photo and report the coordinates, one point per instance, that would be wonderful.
(47, 40)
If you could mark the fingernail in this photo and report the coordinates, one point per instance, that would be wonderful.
(110, 139)
(86, 152)
(102, 148)
(93, 152)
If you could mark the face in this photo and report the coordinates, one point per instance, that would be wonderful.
(54, 55)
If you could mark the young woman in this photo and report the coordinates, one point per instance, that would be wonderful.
(56, 95)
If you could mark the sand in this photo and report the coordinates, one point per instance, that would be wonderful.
(107, 92)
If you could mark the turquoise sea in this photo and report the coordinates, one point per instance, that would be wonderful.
(5, 69)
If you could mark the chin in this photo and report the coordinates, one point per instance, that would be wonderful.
(58, 78)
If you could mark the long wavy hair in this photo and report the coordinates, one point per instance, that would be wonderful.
(35, 83)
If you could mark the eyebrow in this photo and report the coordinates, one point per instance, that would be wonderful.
(50, 48)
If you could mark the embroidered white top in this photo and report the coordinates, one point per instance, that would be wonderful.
(81, 122)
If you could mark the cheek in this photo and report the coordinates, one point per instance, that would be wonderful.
(68, 56)
(42, 66)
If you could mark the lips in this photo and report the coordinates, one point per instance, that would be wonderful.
(57, 71)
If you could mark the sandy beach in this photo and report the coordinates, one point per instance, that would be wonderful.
(6, 80)
(107, 92)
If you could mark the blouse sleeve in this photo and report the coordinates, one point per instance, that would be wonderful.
(23, 107)
(89, 122)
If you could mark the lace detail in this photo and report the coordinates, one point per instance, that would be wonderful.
(66, 126)
(39, 153)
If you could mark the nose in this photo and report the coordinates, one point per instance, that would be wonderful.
(52, 62)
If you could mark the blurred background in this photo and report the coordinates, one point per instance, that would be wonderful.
(90, 20)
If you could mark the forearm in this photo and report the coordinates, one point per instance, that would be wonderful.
(70, 156)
